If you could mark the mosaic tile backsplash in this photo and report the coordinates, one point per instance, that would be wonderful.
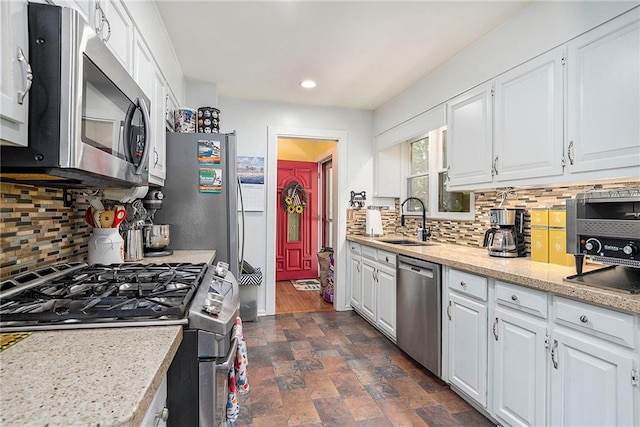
(471, 233)
(37, 230)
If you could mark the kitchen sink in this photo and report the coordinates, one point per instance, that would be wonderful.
(406, 242)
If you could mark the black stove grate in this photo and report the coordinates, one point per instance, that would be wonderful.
(106, 293)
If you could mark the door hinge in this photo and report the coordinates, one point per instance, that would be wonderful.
(493, 91)
(547, 342)
(634, 377)
(563, 61)
(563, 162)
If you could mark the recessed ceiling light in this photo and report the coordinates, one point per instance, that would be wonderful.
(308, 84)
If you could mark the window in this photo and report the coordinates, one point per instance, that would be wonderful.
(426, 179)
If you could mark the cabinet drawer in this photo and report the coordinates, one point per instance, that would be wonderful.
(608, 324)
(524, 299)
(369, 252)
(355, 248)
(468, 284)
(387, 258)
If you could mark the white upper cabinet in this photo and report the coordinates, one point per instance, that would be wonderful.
(15, 73)
(116, 29)
(143, 65)
(157, 157)
(86, 8)
(604, 96)
(529, 119)
(469, 136)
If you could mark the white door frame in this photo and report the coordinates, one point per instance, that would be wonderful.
(340, 229)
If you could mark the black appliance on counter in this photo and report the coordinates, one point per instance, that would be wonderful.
(78, 296)
(605, 226)
(505, 238)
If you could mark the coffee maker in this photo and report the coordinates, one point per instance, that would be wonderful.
(505, 238)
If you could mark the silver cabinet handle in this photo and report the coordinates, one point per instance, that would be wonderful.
(163, 416)
(495, 327)
(494, 168)
(514, 297)
(553, 354)
(584, 319)
(28, 76)
(155, 152)
(358, 267)
(449, 310)
(570, 152)
(106, 39)
(448, 177)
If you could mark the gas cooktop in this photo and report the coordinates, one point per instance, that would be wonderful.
(100, 294)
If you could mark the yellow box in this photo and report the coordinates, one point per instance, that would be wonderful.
(557, 218)
(558, 248)
(539, 217)
(540, 244)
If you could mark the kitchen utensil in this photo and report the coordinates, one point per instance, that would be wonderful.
(88, 217)
(96, 218)
(156, 236)
(106, 218)
(120, 215)
(134, 247)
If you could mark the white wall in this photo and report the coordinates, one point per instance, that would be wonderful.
(200, 94)
(251, 119)
(536, 29)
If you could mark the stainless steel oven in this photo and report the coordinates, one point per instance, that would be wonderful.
(75, 295)
(88, 119)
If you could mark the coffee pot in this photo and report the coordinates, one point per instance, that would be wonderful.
(505, 238)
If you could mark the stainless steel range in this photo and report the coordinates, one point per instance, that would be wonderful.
(201, 297)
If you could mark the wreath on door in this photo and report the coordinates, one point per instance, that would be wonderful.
(294, 198)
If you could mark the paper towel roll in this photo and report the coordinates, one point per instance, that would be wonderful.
(373, 223)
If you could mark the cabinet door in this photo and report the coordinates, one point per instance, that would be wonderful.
(157, 157)
(468, 346)
(529, 119)
(14, 81)
(386, 319)
(369, 289)
(469, 137)
(590, 382)
(355, 275)
(519, 369)
(388, 172)
(604, 96)
(143, 66)
(118, 31)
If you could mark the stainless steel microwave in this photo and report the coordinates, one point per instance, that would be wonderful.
(88, 119)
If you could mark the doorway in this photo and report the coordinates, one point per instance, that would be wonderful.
(303, 222)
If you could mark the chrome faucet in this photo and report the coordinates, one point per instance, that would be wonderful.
(425, 232)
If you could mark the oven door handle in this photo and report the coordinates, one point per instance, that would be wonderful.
(228, 362)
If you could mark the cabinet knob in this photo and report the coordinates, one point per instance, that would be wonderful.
(514, 297)
(584, 319)
(387, 259)
(463, 284)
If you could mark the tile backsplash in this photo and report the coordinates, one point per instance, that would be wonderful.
(471, 233)
(37, 230)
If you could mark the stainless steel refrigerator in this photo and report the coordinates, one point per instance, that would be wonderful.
(201, 194)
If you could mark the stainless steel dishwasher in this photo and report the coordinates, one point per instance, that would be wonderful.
(419, 305)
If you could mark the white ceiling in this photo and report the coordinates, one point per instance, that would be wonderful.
(361, 53)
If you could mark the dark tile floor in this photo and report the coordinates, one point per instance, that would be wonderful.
(334, 369)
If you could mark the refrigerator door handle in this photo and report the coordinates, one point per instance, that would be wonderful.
(242, 216)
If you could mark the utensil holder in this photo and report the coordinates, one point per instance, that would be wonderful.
(106, 246)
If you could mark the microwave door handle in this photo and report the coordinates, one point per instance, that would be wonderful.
(147, 142)
(128, 143)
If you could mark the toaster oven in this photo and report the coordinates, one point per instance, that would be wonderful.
(605, 225)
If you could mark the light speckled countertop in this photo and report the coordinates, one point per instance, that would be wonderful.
(196, 257)
(522, 271)
(85, 377)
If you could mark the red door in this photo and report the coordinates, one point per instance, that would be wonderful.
(297, 232)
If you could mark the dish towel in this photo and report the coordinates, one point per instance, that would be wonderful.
(238, 381)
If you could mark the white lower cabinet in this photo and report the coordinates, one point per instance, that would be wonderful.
(519, 368)
(378, 289)
(157, 414)
(355, 275)
(467, 333)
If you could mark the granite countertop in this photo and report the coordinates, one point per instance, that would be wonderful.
(85, 376)
(207, 256)
(521, 271)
